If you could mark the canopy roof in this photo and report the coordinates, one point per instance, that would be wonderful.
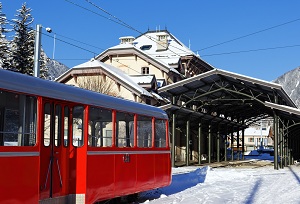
(220, 97)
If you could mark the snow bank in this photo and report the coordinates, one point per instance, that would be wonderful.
(182, 179)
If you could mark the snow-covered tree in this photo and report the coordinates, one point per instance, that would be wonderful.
(4, 43)
(23, 42)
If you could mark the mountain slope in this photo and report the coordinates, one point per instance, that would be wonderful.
(290, 83)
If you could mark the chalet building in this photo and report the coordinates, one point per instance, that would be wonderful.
(137, 67)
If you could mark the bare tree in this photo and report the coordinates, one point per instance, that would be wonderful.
(98, 83)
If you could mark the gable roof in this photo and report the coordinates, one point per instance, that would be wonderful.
(95, 66)
(166, 60)
(131, 49)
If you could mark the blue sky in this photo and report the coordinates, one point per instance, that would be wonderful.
(267, 32)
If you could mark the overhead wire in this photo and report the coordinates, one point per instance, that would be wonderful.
(250, 34)
(253, 50)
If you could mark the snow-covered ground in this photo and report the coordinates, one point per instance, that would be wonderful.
(243, 184)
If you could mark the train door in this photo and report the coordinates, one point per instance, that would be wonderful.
(54, 149)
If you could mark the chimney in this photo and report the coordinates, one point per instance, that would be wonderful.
(126, 40)
(162, 42)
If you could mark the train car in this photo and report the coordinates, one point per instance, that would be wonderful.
(63, 144)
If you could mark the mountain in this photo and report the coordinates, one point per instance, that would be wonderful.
(290, 83)
(55, 68)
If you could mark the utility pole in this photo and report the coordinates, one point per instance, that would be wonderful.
(37, 51)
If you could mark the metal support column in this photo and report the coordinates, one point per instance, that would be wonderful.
(173, 150)
(218, 145)
(281, 147)
(284, 146)
(275, 141)
(232, 140)
(225, 147)
(243, 143)
(199, 142)
(187, 158)
(238, 143)
(209, 143)
(37, 50)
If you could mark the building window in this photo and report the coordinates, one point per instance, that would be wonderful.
(250, 139)
(146, 47)
(145, 70)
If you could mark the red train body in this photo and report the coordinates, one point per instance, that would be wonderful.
(62, 144)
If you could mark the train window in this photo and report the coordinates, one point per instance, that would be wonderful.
(100, 127)
(78, 126)
(57, 129)
(160, 133)
(144, 131)
(18, 115)
(47, 118)
(125, 129)
(66, 126)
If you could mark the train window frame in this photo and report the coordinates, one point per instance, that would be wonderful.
(129, 140)
(66, 126)
(100, 127)
(78, 123)
(19, 111)
(46, 120)
(144, 134)
(160, 138)
(57, 125)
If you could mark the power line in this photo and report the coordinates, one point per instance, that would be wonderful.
(94, 12)
(72, 44)
(253, 50)
(254, 33)
(120, 22)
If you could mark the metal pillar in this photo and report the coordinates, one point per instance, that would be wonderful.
(238, 143)
(281, 147)
(209, 143)
(225, 147)
(173, 150)
(243, 143)
(232, 139)
(199, 142)
(218, 146)
(285, 145)
(37, 51)
(275, 141)
(187, 143)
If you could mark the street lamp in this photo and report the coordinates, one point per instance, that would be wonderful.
(49, 30)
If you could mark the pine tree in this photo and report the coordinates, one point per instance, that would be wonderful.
(4, 43)
(43, 68)
(23, 42)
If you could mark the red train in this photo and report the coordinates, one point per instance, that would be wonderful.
(62, 144)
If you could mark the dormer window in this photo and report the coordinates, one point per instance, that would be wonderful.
(145, 70)
(146, 47)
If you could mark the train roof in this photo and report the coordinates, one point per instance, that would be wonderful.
(40, 87)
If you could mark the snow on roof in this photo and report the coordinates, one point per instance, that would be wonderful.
(168, 56)
(256, 131)
(136, 47)
(142, 79)
(115, 72)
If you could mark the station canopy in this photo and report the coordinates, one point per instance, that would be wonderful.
(226, 98)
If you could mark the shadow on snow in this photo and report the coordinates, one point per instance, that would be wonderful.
(180, 182)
